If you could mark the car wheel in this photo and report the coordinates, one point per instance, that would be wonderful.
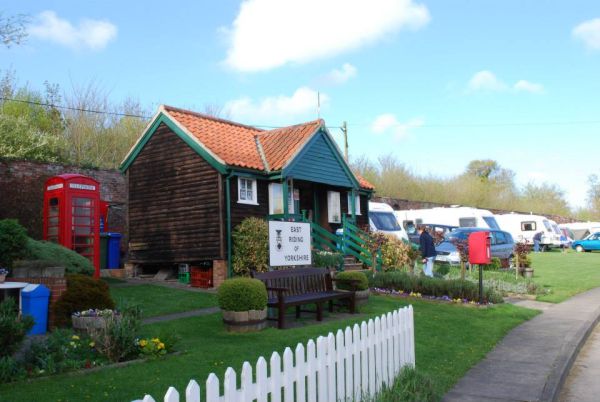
(579, 249)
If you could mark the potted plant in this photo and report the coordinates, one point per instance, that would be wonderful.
(243, 302)
(354, 281)
(3, 273)
(92, 320)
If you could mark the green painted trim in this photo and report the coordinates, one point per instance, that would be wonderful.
(284, 190)
(353, 204)
(228, 225)
(164, 119)
(248, 173)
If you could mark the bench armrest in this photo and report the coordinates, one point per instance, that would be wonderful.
(277, 289)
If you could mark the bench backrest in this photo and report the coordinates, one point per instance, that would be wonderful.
(298, 280)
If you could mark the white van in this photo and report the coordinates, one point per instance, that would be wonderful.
(450, 216)
(524, 226)
(382, 219)
(581, 229)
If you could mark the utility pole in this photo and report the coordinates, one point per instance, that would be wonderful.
(344, 129)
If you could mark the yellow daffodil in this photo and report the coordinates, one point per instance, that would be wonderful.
(161, 346)
(92, 344)
(75, 337)
(143, 343)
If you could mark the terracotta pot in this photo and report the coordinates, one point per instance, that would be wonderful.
(245, 321)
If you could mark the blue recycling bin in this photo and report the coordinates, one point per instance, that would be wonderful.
(114, 250)
(34, 302)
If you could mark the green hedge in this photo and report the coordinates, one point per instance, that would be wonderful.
(13, 239)
(342, 277)
(453, 288)
(83, 293)
(59, 255)
(242, 294)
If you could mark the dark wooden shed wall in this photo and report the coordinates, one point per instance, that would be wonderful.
(175, 203)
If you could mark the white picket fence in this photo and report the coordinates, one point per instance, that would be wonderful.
(348, 366)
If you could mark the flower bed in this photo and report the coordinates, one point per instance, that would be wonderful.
(442, 299)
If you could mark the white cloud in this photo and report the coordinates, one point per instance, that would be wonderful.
(339, 76)
(388, 123)
(527, 86)
(301, 104)
(91, 34)
(589, 33)
(486, 81)
(271, 33)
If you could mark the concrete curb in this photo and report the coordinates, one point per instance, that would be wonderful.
(566, 358)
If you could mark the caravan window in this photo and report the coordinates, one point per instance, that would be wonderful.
(547, 225)
(467, 222)
(491, 221)
(384, 221)
(528, 226)
(410, 227)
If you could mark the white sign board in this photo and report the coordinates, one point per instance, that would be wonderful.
(289, 244)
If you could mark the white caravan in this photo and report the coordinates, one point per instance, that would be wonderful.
(581, 229)
(524, 226)
(450, 216)
(382, 219)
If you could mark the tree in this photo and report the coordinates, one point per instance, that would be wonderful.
(593, 194)
(13, 29)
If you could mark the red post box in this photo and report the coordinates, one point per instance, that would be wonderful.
(72, 215)
(479, 248)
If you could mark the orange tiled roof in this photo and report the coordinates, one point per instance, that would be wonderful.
(364, 183)
(281, 144)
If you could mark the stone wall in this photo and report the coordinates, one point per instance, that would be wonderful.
(402, 204)
(22, 193)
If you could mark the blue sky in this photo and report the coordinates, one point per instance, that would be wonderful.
(436, 83)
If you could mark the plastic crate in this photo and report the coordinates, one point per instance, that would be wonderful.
(184, 277)
(201, 277)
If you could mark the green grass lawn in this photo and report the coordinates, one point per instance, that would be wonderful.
(159, 300)
(449, 340)
(567, 274)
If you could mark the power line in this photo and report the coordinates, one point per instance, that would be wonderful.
(30, 102)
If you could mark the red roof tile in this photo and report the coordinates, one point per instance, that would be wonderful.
(363, 182)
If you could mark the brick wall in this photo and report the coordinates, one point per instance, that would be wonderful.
(402, 204)
(22, 193)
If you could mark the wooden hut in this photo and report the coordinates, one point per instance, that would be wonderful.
(192, 178)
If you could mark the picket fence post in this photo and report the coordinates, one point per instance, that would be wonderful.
(353, 363)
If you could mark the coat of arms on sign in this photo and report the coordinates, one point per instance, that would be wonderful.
(278, 239)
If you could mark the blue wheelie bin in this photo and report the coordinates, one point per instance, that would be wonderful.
(34, 302)
(114, 250)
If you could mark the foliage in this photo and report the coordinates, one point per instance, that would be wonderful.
(441, 269)
(410, 386)
(152, 347)
(326, 259)
(61, 256)
(396, 254)
(13, 239)
(13, 29)
(242, 294)
(117, 341)
(12, 327)
(82, 293)
(62, 350)
(522, 250)
(453, 288)
(494, 265)
(344, 280)
(10, 370)
(251, 246)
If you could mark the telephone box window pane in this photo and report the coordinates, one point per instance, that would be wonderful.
(82, 230)
(82, 220)
(53, 231)
(82, 202)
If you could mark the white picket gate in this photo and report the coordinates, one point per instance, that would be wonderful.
(352, 364)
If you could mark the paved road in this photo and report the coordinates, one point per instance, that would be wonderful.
(583, 382)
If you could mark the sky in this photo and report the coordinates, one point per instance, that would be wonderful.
(436, 83)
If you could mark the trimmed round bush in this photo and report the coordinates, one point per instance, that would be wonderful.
(83, 293)
(58, 255)
(242, 294)
(344, 280)
(251, 246)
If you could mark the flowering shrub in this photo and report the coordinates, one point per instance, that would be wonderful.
(96, 313)
(327, 259)
(397, 254)
(152, 347)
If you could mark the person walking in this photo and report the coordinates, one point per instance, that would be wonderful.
(537, 238)
(427, 248)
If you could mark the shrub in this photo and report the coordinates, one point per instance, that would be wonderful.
(396, 254)
(10, 370)
(83, 293)
(13, 239)
(326, 259)
(242, 294)
(12, 327)
(118, 340)
(494, 265)
(344, 278)
(58, 256)
(441, 269)
(410, 386)
(251, 246)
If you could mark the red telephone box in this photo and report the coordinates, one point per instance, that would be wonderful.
(72, 215)
(479, 248)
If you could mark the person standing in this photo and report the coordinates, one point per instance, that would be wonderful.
(537, 238)
(427, 248)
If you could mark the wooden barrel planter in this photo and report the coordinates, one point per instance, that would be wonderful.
(245, 321)
(91, 324)
(361, 297)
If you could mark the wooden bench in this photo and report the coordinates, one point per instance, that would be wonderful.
(301, 286)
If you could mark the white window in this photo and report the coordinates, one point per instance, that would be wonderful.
(247, 191)
(334, 210)
(276, 199)
(356, 203)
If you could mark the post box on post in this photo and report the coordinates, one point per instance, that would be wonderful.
(480, 254)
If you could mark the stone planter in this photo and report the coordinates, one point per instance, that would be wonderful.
(528, 272)
(245, 321)
(90, 324)
(361, 297)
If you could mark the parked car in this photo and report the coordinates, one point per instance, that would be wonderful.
(590, 243)
(502, 245)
